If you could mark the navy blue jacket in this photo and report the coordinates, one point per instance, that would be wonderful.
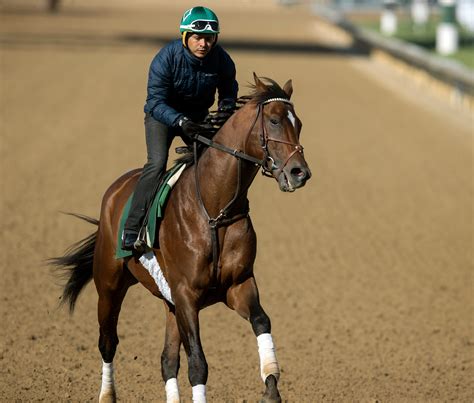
(180, 84)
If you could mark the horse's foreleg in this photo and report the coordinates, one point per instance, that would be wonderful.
(188, 325)
(110, 302)
(170, 356)
(244, 299)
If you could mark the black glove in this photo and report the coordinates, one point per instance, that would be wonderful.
(219, 117)
(190, 128)
(227, 106)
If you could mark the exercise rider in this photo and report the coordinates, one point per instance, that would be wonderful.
(182, 83)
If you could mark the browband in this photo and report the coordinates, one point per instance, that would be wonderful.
(286, 101)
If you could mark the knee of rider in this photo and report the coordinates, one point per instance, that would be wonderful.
(155, 165)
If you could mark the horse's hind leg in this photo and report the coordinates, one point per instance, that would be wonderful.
(112, 285)
(170, 356)
(244, 299)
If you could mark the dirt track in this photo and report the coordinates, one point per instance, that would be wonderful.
(366, 273)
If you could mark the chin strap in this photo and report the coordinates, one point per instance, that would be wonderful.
(184, 39)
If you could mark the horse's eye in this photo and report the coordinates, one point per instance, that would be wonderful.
(274, 121)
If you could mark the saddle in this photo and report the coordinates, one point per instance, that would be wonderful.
(155, 212)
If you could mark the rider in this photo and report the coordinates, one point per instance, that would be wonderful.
(182, 83)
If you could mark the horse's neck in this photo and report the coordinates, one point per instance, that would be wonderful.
(219, 172)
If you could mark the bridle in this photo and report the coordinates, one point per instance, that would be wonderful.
(264, 139)
(267, 164)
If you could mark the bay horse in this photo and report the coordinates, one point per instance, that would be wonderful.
(207, 244)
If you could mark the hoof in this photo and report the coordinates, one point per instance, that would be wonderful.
(271, 394)
(108, 396)
(270, 399)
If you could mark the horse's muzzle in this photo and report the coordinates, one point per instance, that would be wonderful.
(293, 178)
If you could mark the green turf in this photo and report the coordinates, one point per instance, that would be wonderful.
(426, 37)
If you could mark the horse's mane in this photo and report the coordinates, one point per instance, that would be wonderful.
(215, 120)
(273, 90)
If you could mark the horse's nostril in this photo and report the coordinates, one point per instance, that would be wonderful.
(298, 174)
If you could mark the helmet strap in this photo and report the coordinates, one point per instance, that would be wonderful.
(184, 38)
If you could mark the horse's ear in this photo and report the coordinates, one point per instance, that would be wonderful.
(259, 83)
(288, 88)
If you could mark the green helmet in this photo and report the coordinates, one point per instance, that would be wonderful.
(200, 20)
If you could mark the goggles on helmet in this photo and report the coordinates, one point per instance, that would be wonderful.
(202, 25)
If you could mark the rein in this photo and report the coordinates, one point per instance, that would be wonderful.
(267, 164)
(235, 153)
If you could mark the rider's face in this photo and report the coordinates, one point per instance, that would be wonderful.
(200, 44)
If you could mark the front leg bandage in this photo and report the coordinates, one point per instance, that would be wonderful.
(172, 391)
(107, 389)
(268, 360)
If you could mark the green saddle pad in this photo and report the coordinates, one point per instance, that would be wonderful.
(156, 210)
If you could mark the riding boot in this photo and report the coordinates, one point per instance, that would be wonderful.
(158, 141)
(129, 240)
(142, 199)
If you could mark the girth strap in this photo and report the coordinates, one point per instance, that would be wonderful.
(214, 227)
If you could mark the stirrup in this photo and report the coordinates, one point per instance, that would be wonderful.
(139, 245)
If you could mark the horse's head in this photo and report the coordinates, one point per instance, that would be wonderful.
(278, 129)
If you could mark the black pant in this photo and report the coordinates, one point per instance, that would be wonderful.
(158, 141)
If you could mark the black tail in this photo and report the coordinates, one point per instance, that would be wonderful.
(76, 265)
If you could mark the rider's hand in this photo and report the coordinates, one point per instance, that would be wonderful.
(218, 118)
(225, 111)
(227, 106)
(190, 128)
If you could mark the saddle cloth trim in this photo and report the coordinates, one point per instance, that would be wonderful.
(156, 210)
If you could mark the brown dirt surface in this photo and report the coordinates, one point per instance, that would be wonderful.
(366, 273)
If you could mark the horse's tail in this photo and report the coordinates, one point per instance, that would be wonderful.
(76, 265)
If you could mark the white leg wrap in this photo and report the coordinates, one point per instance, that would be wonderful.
(172, 392)
(108, 387)
(268, 361)
(199, 394)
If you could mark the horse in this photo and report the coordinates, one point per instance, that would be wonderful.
(207, 244)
